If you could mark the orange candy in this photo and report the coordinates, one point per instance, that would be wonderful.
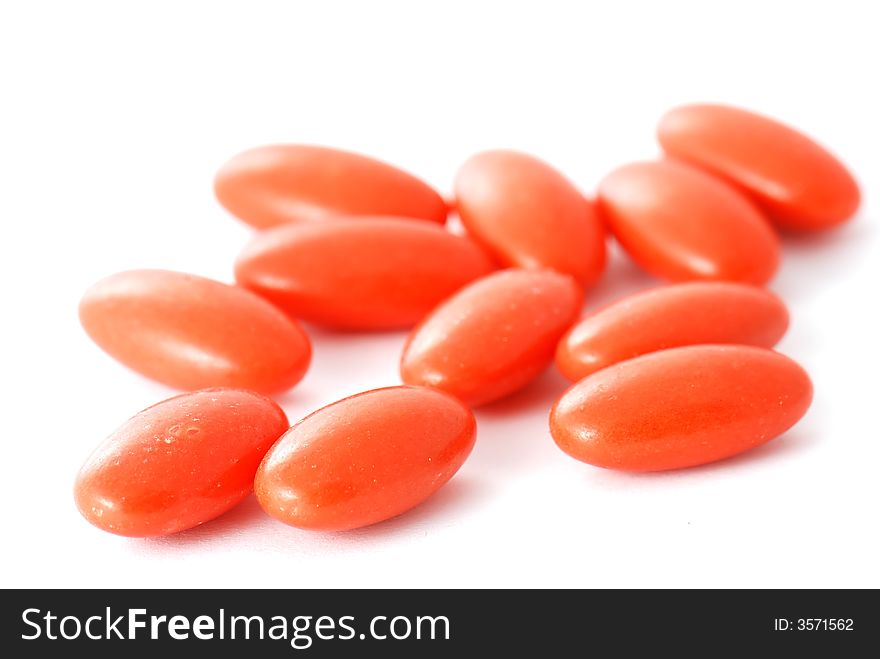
(529, 215)
(273, 185)
(680, 407)
(190, 332)
(668, 317)
(680, 223)
(365, 459)
(799, 183)
(366, 273)
(494, 336)
(673, 377)
(179, 463)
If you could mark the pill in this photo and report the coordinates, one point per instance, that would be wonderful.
(179, 463)
(365, 273)
(494, 336)
(283, 183)
(365, 459)
(529, 215)
(190, 332)
(680, 223)
(681, 407)
(799, 183)
(668, 317)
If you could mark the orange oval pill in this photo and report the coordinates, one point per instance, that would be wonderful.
(529, 215)
(669, 317)
(494, 336)
(680, 407)
(283, 183)
(680, 223)
(365, 459)
(190, 332)
(367, 273)
(798, 182)
(179, 463)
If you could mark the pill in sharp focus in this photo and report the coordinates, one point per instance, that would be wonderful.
(681, 407)
(492, 337)
(365, 459)
(179, 463)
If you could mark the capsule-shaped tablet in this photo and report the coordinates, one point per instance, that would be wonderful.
(365, 459)
(529, 215)
(799, 183)
(680, 407)
(669, 317)
(494, 336)
(365, 273)
(680, 224)
(190, 332)
(272, 185)
(179, 463)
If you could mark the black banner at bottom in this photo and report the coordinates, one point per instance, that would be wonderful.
(317, 623)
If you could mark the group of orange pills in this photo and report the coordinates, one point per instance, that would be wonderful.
(672, 377)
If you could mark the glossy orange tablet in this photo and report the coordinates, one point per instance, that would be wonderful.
(283, 183)
(190, 332)
(365, 459)
(680, 407)
(494, 336)
(680, 223)
(365, 273)
(179, 463)
(799, 183)
(668, 317)
(529, 215)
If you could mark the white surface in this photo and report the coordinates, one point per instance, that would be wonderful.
(114, 118)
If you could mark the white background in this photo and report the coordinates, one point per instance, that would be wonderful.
(114, 117)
